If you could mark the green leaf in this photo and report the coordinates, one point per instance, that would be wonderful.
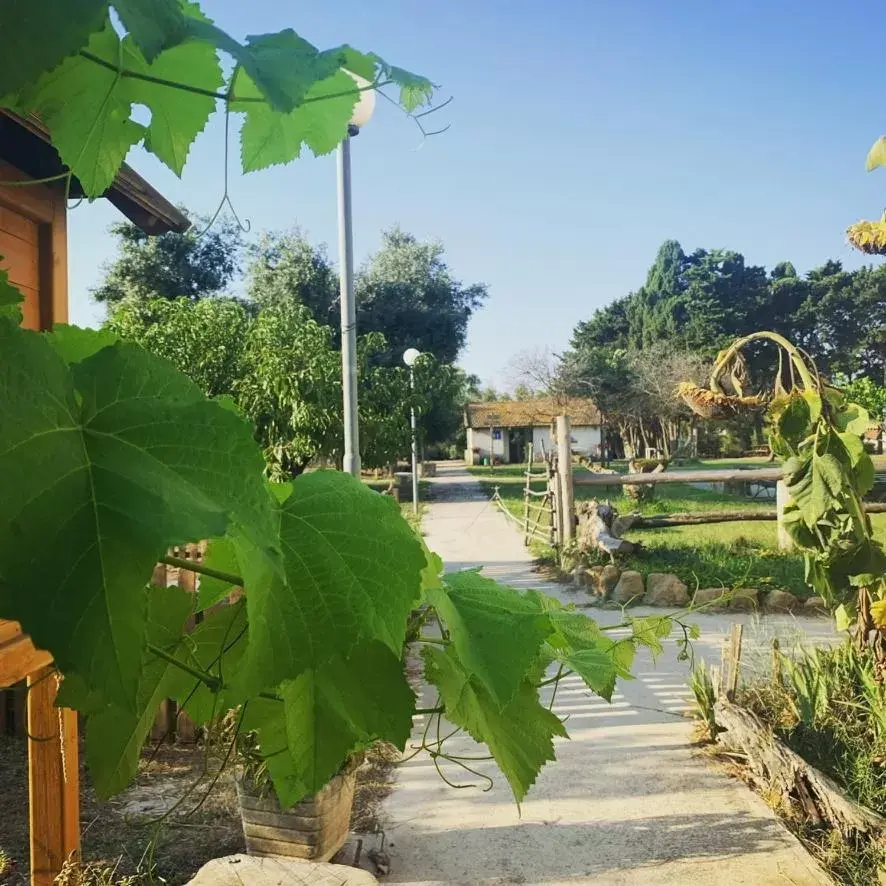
(350, 570)
(10, 299)
(115, 735)
(216, 646)
(431, 575)
(87, 113)
(578, 644)
(519, 736)
(178, 116)
(320, 122)
(650, 631)
(46, 32)
(415, 91)
(496, 631)
(877, 155)
(74, 344)
(152, 26)
(339, 709)
(794, 420)
(843, 617)
(108, 463)
(221, 555)
(854, 419)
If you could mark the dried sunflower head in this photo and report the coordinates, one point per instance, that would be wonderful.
(713, 404)
(868, 236)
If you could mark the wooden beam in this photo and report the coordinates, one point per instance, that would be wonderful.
(721, 476)
(18, 656)
(53, 779)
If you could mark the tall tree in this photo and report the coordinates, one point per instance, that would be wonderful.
(286, 267)
(407, 292)
(191, 265)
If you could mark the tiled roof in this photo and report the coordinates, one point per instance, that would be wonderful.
(537, 412)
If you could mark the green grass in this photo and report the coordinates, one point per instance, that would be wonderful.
(710, 555)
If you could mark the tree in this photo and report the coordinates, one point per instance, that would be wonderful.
(284, 266)
(191, 265)
(407, 292)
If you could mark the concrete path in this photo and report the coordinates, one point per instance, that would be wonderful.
(627, 802)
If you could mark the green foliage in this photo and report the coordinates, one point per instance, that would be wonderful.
(702, 686)
(101, 463)
(171, 265)
(82, 80)
(10, 299)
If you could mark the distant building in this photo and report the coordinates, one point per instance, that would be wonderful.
(501, 430)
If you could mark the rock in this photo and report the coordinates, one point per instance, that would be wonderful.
(629, 588)
(780, 601)
(275, 870)
(609, 579)
(710, 598)
(665, 589)
(815, 606)
(744, 600)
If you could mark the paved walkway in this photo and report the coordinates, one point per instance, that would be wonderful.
(627, 802)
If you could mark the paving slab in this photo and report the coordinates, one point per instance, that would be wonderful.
(628, 801)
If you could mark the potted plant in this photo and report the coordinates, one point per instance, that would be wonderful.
(315, 828)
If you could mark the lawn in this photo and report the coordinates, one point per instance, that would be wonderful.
(710, 555)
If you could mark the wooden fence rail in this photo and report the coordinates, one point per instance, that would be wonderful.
(715, 476)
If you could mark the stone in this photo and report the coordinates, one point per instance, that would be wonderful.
(609, 579)
(247, 870)
(780, 601)
(665, 589)
(630, 587)
(815, 606)
(710, 599)
(744, 600)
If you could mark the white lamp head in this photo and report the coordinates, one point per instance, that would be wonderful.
(365, 106)
(410, 356)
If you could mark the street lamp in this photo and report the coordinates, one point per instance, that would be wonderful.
(409, 358)
(362, 112)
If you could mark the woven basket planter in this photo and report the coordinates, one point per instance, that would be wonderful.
(314, 829)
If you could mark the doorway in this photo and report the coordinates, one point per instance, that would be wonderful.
(518, 440)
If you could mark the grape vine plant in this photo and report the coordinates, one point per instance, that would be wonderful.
(109, 457)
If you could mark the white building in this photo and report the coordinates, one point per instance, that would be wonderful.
(503, 429)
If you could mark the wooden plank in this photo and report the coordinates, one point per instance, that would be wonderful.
(53, 785)
(37, 202)
(19, 658)
(19, 261)
(565, 480)
(719, 476)
(15, 223)
(54, 265)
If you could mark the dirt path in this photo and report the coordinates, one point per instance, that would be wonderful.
(627, 802)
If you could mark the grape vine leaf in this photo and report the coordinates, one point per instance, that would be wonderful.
(415, 90)
(578, 643)
(153, 26)
(115, 735)
(220, 555)
(10, 299)
(496, 631)
(216, 646)
(269, 137)
(109, 462)
(343, 707)
(86, 112)
(519, 736)
(178, 116)
(350, 570)
(74, 344)
(46, 32)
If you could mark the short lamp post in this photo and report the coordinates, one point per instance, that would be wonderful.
(409, 358)
(362, 112)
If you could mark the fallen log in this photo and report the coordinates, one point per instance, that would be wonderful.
(775, 766)
(661, 521)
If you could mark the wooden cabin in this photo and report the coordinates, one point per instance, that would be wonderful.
(33, 246)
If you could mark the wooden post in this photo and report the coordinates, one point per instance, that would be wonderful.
(53, 779)
(526, 495)
(782, 499)
(564, 477)
(731, 662)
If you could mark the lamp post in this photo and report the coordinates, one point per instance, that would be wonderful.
(362, 112)
(409, 358)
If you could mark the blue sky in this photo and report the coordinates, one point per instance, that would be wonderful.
(583, 134)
